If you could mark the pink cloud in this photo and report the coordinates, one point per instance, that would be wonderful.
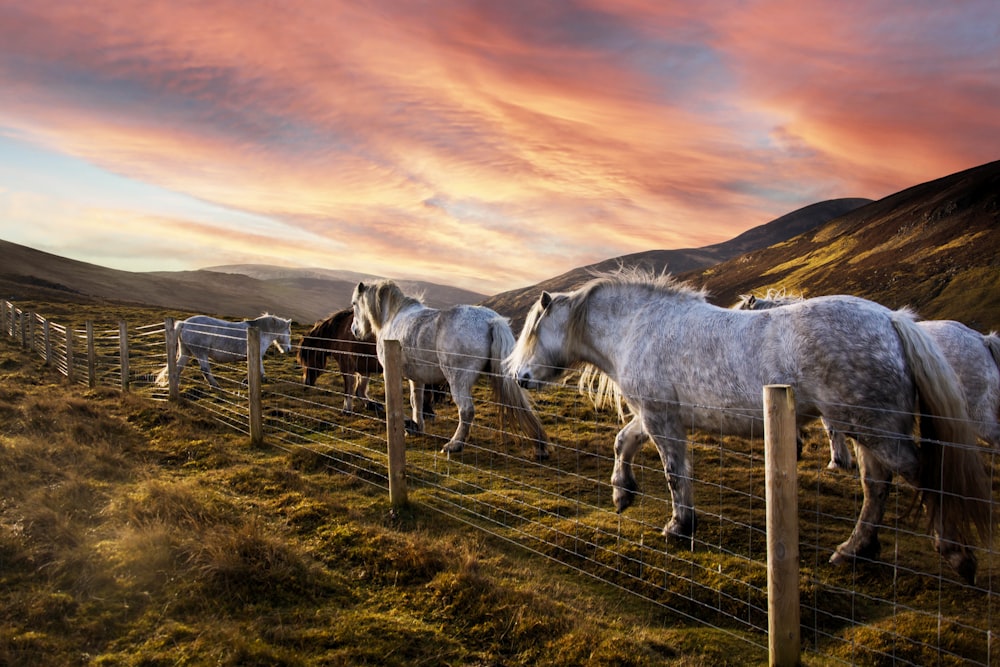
(501, 143)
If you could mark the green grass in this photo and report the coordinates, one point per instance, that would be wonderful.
(135, 531)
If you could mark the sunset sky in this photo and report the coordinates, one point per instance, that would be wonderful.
(481, 144)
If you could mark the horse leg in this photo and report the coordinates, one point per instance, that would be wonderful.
(415, 424)
(206, 370)
(840, 453)
(348, 379)
(429, 394)
(462, 394)
(361, 393)
(623, 484)
(671, 443)
(876, 480)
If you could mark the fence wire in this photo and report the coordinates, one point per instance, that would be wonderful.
(562, 508)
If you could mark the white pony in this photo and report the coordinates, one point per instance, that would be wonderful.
(974, 357)
(454, 345)
(680, 362)
(204, 338)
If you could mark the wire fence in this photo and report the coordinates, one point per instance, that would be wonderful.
(902, 606)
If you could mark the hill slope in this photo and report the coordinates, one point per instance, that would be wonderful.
(515, 303)
(934, 247)
(304, 297)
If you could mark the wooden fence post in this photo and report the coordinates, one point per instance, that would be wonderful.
(69, 353)
(781, 482)
(123, 348)
(91, 356)
(25, 316)
(394, 428)
(254, 383)
(47, 341)
(173, 382)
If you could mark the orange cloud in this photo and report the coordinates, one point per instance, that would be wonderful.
(496, 144)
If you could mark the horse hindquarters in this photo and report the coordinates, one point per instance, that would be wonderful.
(953, 482)
(990, 417)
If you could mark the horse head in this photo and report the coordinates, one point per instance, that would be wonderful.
(539, 354)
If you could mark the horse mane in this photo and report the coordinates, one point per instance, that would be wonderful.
(332, 326)
(601, 389)
(598, 386)
(389, 300)
(623, 278)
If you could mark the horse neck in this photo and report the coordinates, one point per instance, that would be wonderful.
(607, 321)
(393, 308)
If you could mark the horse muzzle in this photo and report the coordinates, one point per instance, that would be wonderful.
(525, 381)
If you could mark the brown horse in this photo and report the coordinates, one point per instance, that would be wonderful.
(355, 358)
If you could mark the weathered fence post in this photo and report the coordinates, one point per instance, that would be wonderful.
(91, 356)
(23, 324)
(394, 429)
(47, 341)
(69, 353)
(28, 330)
(123, 348)
(254, 380)
(781, 482)
(4, 307)
(173, 382)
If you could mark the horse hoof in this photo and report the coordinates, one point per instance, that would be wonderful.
(411, 427)
(452, 447)
(964, 563)
(844, 556)
(542, 454)
(679, 530)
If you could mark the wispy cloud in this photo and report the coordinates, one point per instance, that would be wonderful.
(483, 144)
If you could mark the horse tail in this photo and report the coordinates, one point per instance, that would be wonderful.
(515, 406)
(954, 486)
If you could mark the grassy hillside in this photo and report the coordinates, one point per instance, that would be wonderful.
(934, 247)
(304, 295)
(515, 303)
(136, 532)
(142, 533)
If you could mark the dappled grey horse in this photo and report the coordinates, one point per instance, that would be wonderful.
(679, 362)
(975, 357)
(207, 338)
(454, 345)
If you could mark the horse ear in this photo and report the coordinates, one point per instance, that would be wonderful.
(360, 288)
(546, 299)
(752, 300)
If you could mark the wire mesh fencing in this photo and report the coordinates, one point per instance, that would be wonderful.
(901, 605)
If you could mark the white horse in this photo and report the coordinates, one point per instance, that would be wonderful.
(205, 338)
(680, 362)
(974, 357)
(454, 345)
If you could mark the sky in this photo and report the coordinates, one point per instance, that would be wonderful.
(479, 144)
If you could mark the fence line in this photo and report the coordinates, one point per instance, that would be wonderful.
(561, 508)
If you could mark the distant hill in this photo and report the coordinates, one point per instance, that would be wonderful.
(514, 303)
(305, 298)
(934, 247)
(434, 295)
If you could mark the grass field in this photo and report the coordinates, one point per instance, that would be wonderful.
(135, 531)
